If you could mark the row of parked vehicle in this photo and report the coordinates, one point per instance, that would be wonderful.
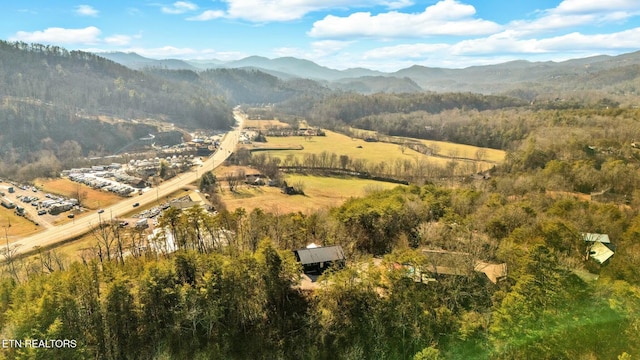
(103, 184)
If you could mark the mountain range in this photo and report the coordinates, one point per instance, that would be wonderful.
(489, 79)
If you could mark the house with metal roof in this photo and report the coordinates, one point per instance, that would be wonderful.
(599, 246)
(316, 260)
(591, 237)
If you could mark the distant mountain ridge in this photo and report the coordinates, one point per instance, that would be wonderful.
(486, 79)
(282, 66)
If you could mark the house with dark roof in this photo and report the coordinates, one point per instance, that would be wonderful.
(315, 260)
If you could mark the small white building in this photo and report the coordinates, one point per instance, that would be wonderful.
(599, 246)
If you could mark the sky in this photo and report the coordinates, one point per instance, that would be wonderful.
(385, 35)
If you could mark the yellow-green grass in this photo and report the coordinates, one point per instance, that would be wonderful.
(372, 152)
(264, 124)
(444, 148)
(94, 199)
(12, 225)
(72, 251)
(320, 193)
(339, 144)
(466, 151)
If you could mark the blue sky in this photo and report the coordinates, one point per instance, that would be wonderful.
(378, 34)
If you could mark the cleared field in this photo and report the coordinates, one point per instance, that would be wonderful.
(341, 145)
(263, 124)
(447, 149)
(320, 193)
(374, 152)
(466, 151)
(12, 225)
(94, 199)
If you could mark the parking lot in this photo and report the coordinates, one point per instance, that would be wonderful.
(28, 202)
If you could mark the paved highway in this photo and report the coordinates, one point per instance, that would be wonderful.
(82, 225)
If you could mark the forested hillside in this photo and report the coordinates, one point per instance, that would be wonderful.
(51, 96)
(83, 81)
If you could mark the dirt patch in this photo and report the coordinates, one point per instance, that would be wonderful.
(560, 194)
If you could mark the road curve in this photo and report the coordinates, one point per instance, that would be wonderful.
(82, 225)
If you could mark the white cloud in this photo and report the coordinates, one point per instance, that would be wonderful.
(596, 6)
(510, 43)
(398, 4)
(326, 47)
(86, 36)
(208, 15)
(179, 7)
(265, 11)
(56, 35)
(86, 10)
(501, 47)
(447, 17)
(571, 13)
(318, 50)
(405, 51)
(118, 40)
(623, 40)
(288, 10)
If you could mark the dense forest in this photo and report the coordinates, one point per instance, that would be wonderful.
(237, 297)
(232, 290)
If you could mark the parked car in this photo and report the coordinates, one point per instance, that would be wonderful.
(71, 216)
(42, 212)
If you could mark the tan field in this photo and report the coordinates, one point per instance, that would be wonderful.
(376, 152)
(320, 193)
(466, 151)
(446, 149)
(94, 199)
(12, 225)
(372, 152)
(264, 124)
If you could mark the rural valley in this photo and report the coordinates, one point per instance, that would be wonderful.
(157, 210)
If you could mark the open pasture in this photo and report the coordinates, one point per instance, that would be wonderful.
(13, 226)
(377, 152)
(443, 148)
(320, 193)
(264, 124)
